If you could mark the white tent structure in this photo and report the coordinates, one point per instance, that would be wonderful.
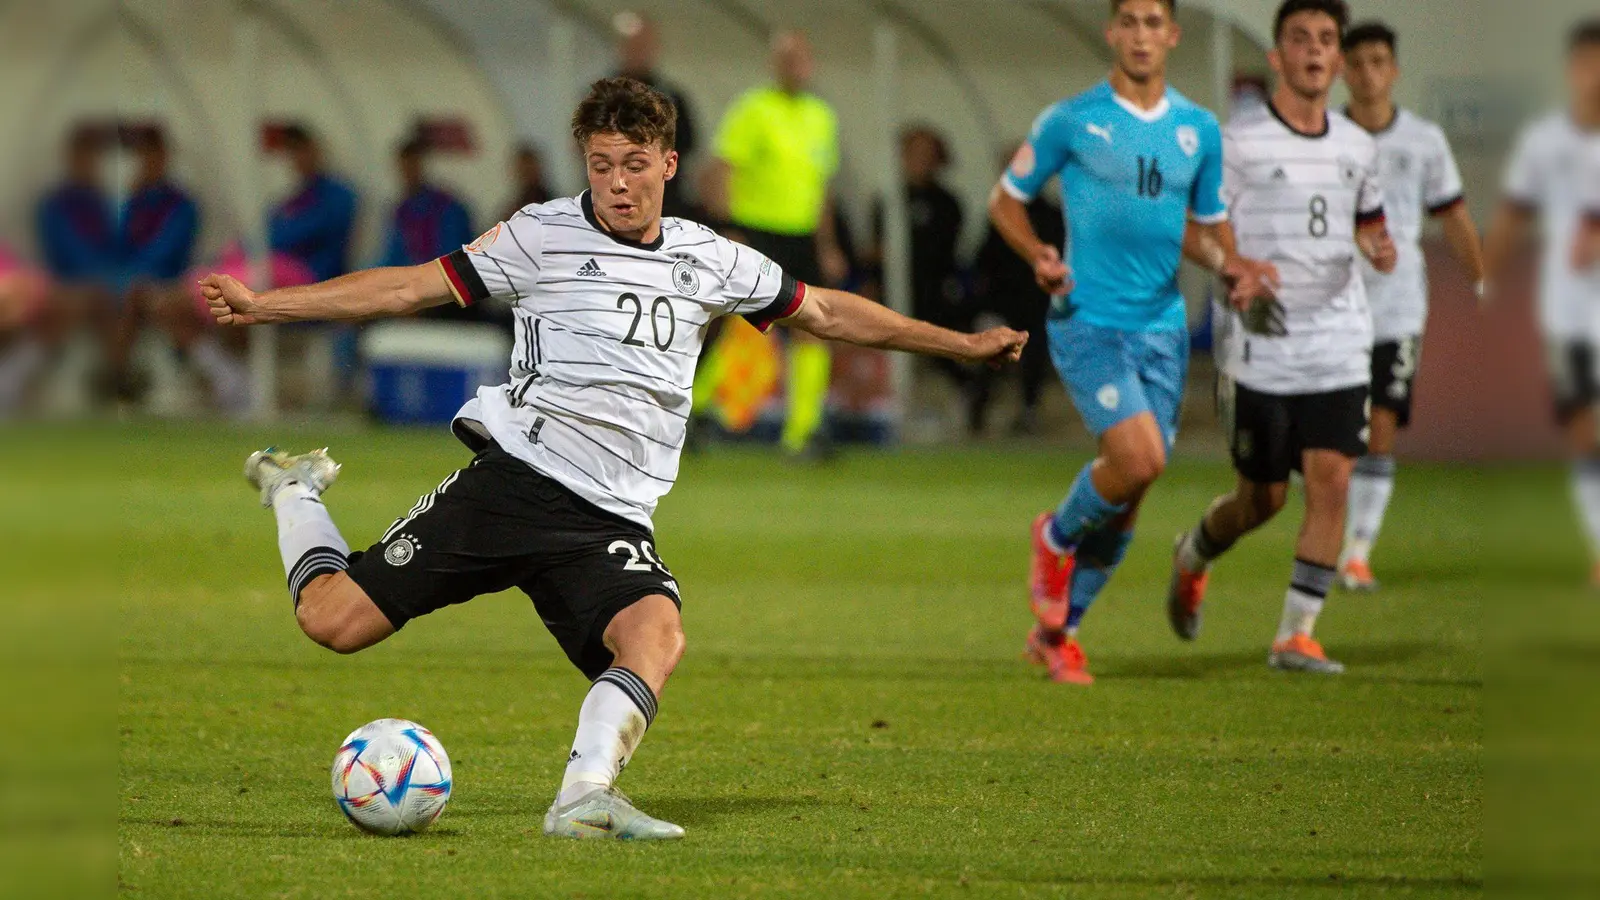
(363, 72)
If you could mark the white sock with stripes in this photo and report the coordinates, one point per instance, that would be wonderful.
(611, 724)
(307, 538)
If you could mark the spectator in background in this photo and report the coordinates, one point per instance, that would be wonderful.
(156, 233)
(76, 220)
(527, 178)
(429, 222)
(1004, 286)
(638, 54)
(159, 222)
(314, 225)
(934, 215)
(776, 151)
(77, 235)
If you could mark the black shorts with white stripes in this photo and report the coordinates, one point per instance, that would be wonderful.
(1394, 376)
(498, 524)
(1573, 379)
(1270, 433)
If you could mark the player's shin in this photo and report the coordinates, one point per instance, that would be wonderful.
(1371, 486)
(307, 538)
(1099, 555)
(1202, 546)
(1083, 511)
(611, 723)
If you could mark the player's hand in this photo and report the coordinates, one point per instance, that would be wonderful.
(231, 303)
(1265, 316)
(1378, 246)
(996, 346)
(1249, 280)
(1052, 275)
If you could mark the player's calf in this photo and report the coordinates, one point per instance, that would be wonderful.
(337, 614)
(648, 638)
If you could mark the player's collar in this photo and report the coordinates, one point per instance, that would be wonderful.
(587, 202)
(1327, 125)
(1153, 114)
(1393, 121)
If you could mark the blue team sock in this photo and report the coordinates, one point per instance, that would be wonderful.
(1099, 554)
(1083, 511)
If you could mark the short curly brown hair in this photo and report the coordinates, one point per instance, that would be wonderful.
(629, 107)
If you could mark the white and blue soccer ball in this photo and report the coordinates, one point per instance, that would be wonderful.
(391, 777)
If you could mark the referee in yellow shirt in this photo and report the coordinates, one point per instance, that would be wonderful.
(775, 152)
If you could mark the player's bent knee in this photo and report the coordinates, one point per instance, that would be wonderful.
(1142, 467)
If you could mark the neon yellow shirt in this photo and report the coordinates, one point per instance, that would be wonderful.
(782, 149)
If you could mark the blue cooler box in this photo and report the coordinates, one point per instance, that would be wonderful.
(419, 373)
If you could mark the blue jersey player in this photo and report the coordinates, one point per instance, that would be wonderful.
(1141, 181)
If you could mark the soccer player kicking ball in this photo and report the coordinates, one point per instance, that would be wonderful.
(612, 303)
(1420, 179)
(1138, 163)
(1303, 187)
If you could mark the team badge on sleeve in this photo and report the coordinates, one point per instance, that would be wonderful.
(485, 239)
(1189, 139)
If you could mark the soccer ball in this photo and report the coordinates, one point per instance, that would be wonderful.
(391, 777)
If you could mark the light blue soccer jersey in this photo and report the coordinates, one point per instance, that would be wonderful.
(1130, 179)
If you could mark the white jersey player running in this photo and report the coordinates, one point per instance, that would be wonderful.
(612, 303)
(1302, 187)
(1420, 180)
(1542, 182)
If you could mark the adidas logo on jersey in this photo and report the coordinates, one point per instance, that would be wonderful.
(591, 269)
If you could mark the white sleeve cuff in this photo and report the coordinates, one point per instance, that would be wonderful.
(1017, 194)
(1216, 219)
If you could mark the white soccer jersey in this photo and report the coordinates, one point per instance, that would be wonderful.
(1296, 201)
(607, 335)
(1543, 176)
(1420, 178)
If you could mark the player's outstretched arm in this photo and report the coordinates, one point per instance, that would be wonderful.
(842, 316)
(372, 293)
(1461, 233)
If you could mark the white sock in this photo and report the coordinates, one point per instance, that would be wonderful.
(1586, 492)
(611, 723)
(229, 379)
(1308, 590)
(1371, 486)
(307, 538)
(19, 364)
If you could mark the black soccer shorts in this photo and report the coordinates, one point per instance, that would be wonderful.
(1394, 376)
(1572, 378)
(498, 524)
(1269, 433)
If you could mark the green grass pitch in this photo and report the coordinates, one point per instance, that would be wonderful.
(852, 718)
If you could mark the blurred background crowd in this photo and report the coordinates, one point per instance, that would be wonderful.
(287, 142)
